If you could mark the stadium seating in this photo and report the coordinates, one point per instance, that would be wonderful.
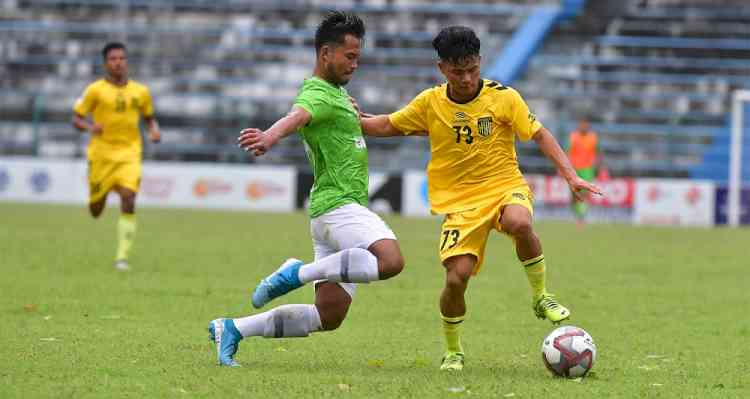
(655, 77)
(656, 81)
(217, 66)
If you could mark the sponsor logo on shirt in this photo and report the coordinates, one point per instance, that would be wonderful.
(359, 143)
(460, 117)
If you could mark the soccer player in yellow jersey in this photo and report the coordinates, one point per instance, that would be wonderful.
(473, 175)
(116, 104)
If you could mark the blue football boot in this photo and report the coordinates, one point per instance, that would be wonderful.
(227, 338)
(278, 283)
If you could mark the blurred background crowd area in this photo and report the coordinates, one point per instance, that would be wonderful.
(654, 77)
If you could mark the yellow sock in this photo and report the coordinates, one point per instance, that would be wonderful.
(126, 227)
(451, 330)
(535, 271)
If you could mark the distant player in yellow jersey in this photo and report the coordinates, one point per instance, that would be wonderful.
(473, 175)
(116, 105)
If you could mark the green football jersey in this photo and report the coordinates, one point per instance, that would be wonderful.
(334, 146)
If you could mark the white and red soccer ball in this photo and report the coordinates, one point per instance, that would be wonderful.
(569, 352)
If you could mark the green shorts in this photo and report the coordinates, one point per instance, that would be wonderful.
(586, 173)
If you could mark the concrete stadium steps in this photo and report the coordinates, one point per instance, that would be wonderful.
(246, 60)
(656, 83)
(662, 64)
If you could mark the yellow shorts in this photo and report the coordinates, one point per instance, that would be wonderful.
(466, 232)
(105, 175)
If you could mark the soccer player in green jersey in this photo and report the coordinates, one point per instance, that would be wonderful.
(351, 243)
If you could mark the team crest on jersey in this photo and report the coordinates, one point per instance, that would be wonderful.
(120, 104)
(485, 126)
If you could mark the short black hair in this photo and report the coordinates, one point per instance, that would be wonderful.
(456, 43)
(335, 26)
(112, 46)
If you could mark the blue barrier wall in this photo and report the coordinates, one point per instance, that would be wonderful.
(512, 61)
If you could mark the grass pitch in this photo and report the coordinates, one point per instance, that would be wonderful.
(667, 308)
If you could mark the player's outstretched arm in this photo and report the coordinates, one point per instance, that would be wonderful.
(379, 126)
(259, 142)
(551, 149)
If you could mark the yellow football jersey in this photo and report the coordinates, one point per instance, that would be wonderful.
(472, 144)
(118, 110)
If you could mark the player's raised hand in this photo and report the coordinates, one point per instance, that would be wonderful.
(579, 187)
(255, 141)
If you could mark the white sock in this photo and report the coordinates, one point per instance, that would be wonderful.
(352, 265)
(280, 322)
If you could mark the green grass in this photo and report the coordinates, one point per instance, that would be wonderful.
(668, 309)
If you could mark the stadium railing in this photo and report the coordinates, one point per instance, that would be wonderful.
(643, 62)
(674, 42)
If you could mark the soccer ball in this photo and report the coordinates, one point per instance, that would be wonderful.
(569, 351)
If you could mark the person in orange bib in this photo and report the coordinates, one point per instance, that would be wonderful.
(582, 152)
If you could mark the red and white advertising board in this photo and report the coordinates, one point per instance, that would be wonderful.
(674, 202)
(551, 197)
(554, 191)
